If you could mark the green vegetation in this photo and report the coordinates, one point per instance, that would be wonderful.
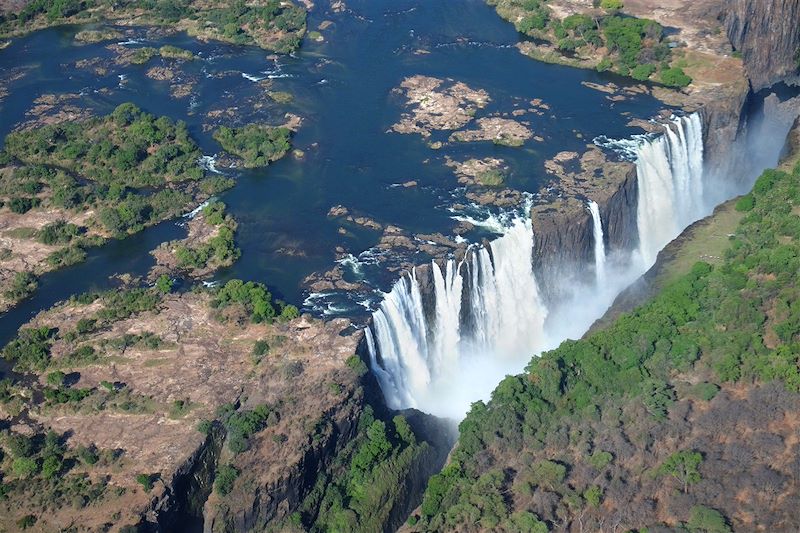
(675, 77)
(226, 476)
(128, 148)
(239, 300)
(30, 350)
(23, 284)
(491, 178)
(40, 468)
(273, 25)
(258, 146)
(96, 36)
(146, 481)
(369, 477)
(738, 321)
(683, 466)
(220, 250)
(260, 349)
(134, 168)
(630, 46)
(706, 520)
(173, 52)
(241, 425)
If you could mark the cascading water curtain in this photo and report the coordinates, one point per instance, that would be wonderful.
(599, 245)
(670, 178)
(442, 366)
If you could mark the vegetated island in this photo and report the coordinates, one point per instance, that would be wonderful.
(270, 24)
(70, 185)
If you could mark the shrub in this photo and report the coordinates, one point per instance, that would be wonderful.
(22, 205)
(58, 232)
(226, 476)
(164, 284)
(706, 520)
(23, 284)
(705, 391)
(56, 379)
(643, 72)
(745, 203)
(611, 5)
(357, 365)
(675, 77)
(25, 467)
(260, 348)
(205, 426)
(146, 481)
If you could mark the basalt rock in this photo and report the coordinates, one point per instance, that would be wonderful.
(767, 34)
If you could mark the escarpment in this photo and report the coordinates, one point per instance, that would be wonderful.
(767, 34)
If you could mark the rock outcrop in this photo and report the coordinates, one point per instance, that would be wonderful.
(767, 33)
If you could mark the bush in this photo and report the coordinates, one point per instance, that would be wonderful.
(675, 77)
(611, 5)
(164, 284)
(706, 520)
(146, 481)
(643, 72)
(226, 476)
(745, 203)
(58, 232)
(705, 391)
(205, 426)
(260, 348)
(22, 205)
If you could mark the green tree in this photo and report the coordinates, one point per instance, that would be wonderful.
(226, 476)
(164, 284)
(675, 77)
(706, 520)
(683, 466)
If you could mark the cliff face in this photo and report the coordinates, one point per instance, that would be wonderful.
(767, 33)
(563, 231)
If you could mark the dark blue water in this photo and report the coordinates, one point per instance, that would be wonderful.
(342, 89)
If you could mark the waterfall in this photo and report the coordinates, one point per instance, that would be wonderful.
(599, 245)
(481, 318)
(442, 363)
(670, 178)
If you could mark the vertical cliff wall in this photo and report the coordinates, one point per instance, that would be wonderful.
(767, 33)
